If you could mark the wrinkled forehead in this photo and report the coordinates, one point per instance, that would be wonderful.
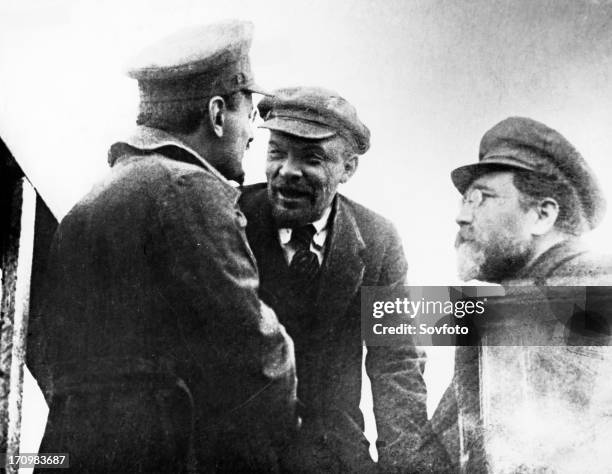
(497, 181)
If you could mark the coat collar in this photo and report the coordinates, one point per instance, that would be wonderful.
(150, 139)
(545, 265)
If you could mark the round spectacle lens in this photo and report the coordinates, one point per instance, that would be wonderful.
(472, 198)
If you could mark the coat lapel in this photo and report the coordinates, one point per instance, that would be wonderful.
(343, 266)
(263, 239)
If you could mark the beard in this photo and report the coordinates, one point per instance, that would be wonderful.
(469, 261)
(492, 260)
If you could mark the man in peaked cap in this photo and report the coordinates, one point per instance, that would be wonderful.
(531, 179)
(316, 249)
(525, 205)
(158, 354)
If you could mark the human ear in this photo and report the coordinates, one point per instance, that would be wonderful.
(547, 212)
(216, 115)
(350, 166)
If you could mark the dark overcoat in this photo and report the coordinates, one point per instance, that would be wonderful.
(154, 351)
(362, 248)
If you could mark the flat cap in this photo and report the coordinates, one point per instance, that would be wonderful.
(523, 143)
(196, 63)
(315, 113)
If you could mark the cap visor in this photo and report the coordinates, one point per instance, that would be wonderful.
(298, 128)
(463, 176)
(256, 89)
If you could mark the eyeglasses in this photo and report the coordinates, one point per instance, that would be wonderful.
(253, 115)
(472, 198)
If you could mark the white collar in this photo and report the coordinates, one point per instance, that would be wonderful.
(320, 226)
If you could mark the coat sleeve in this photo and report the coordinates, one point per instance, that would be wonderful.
(399, 392)
(209, 277)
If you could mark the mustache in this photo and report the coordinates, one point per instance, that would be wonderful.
(464, 235)
(291, 187)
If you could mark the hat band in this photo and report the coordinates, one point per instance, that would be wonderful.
(507, 161)
(231, 78)
(524, 158)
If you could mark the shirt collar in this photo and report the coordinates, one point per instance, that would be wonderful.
(150, 139)
(320, 226)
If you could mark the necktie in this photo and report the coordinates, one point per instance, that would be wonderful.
(304, 264)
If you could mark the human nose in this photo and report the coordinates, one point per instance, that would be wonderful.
(466, 213)
(290, 167)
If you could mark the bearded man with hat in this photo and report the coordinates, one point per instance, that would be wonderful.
(157, 354)
(316, 249)
(525, 206)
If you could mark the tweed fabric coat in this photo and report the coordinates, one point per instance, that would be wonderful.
(156, 353)
(362, 248)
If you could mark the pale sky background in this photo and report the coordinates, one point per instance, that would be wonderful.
(427, 77)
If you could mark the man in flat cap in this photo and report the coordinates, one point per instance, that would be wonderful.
(157, 348)
(525, 205)
(316, 249)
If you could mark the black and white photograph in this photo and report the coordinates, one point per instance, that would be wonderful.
(222, 224)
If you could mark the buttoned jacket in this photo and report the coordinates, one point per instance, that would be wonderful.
(362, 249)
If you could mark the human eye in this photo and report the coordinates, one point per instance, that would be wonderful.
(315, 158)
(487, 195)
(474, 197)
(275, 153)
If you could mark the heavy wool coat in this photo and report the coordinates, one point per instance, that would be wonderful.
(154, 351)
